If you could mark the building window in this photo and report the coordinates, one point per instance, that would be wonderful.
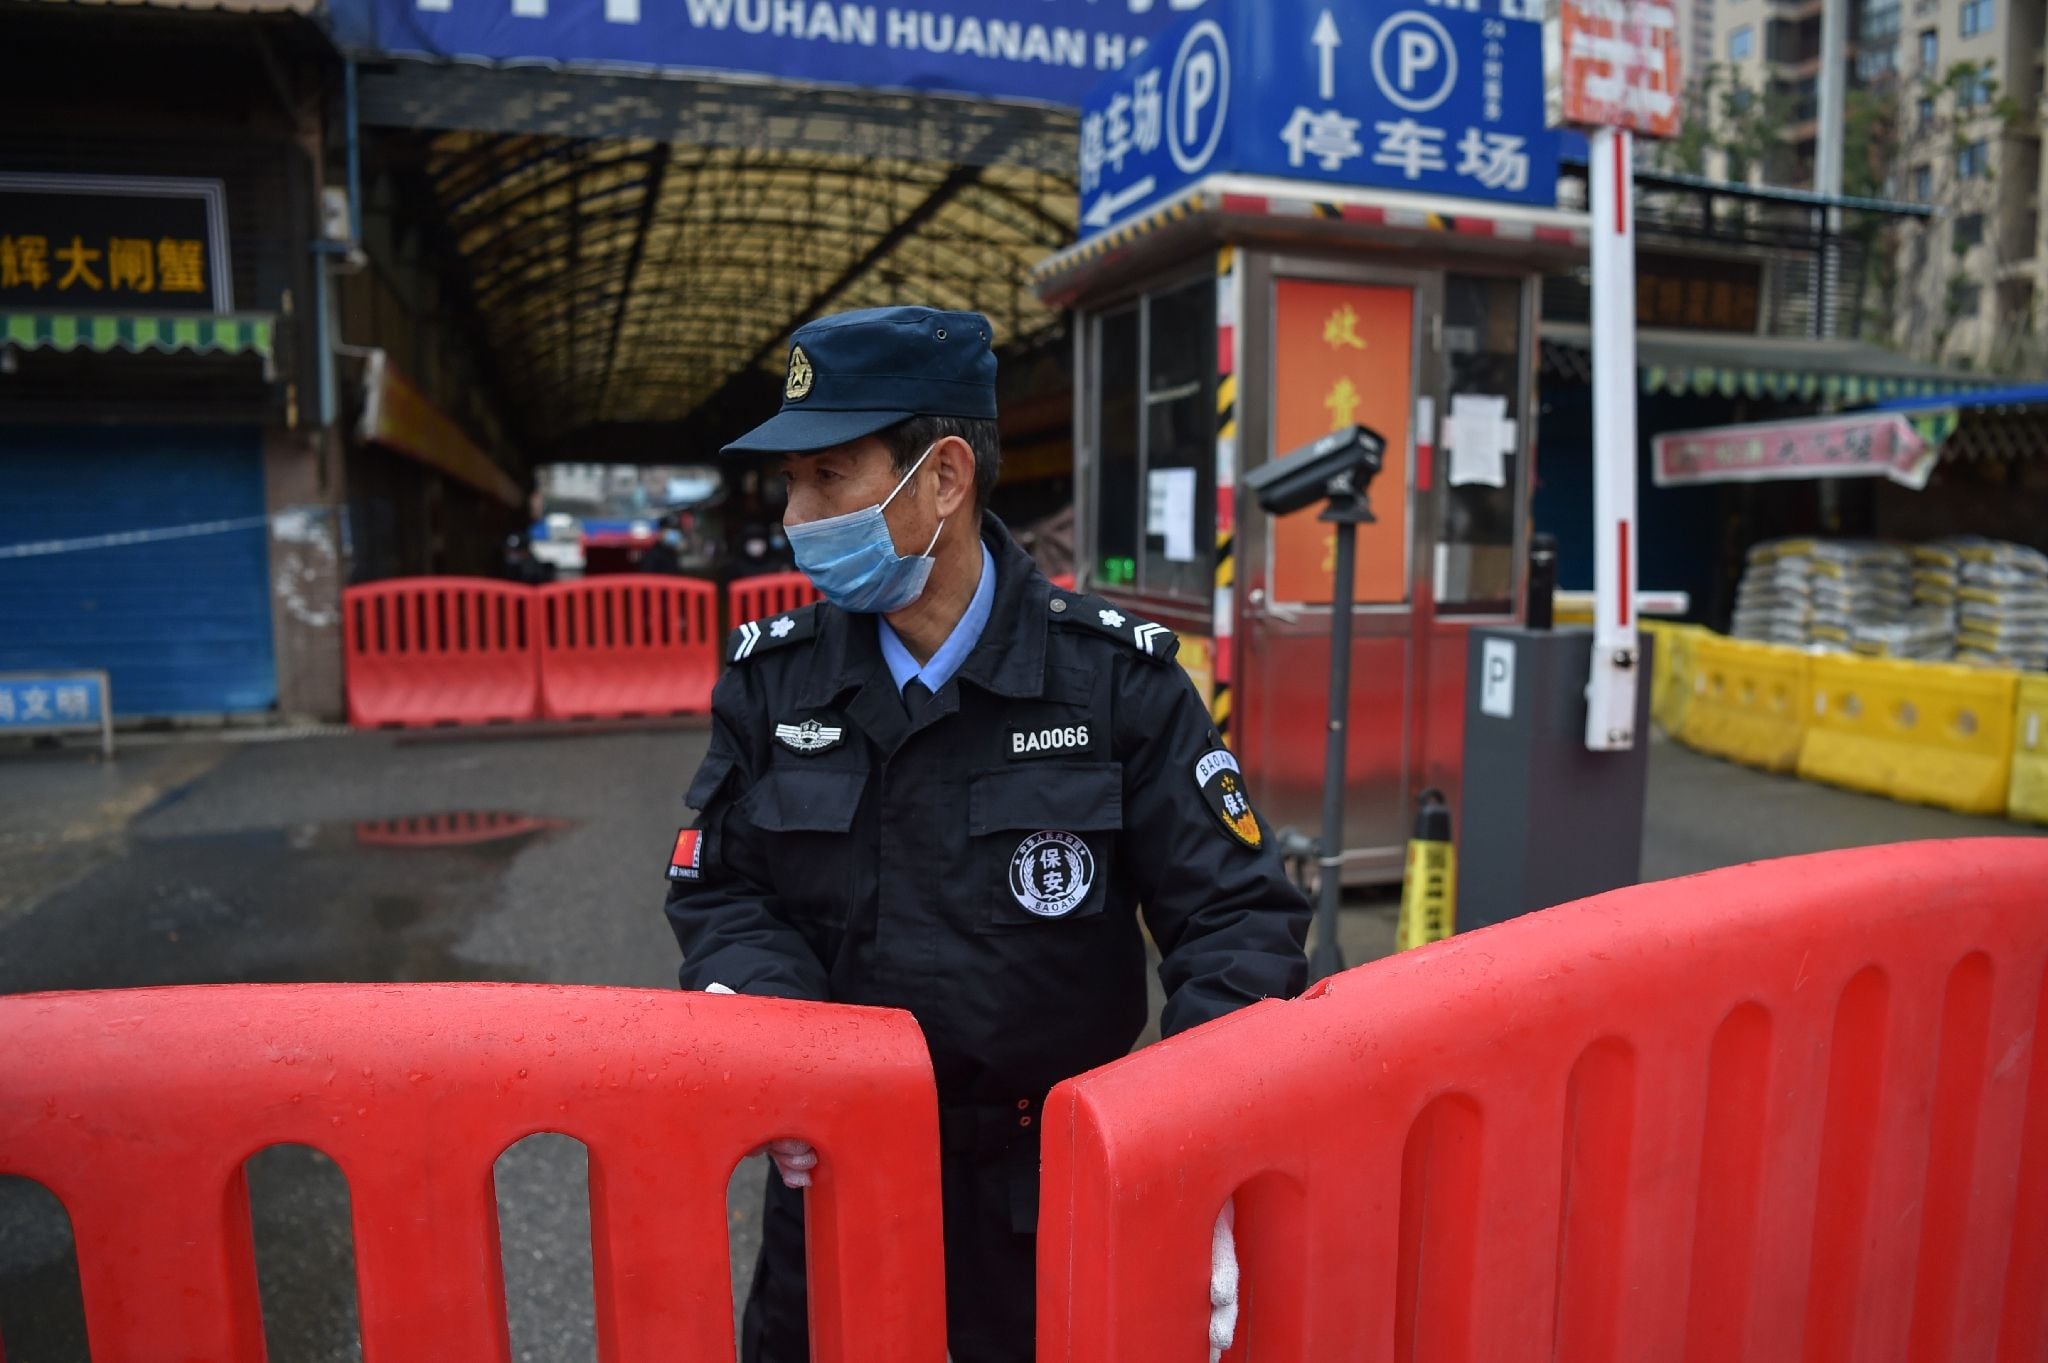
(1155, 422)
(1924, 121)
(1930, 50)
(1874, 65)
(1880, 21)
(1923, 184)
(1969, 231)
(1741, 43)
(1965, 300)
(1976, 91)
(1976, 17)
(1973, 160)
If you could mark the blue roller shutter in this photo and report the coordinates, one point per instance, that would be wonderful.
(181, 621)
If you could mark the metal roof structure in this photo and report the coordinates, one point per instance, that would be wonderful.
(633, 282)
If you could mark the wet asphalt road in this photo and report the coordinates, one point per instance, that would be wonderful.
(207, 860)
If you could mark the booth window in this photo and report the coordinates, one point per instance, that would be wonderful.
(1118, 457)
(1475, 567)
(1155, 442)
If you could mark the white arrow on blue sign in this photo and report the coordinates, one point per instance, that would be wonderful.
(1435, 98)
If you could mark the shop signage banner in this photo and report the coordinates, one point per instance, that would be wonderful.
(399, 416)
(89, 242)
(1041, 51)
(1432, 99)
(1614, 64)
(1864, 445)
(1343, 354)
(1698, 293)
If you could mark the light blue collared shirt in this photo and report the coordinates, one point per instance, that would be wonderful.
(960, 643)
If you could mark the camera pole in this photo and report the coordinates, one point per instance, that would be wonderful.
(1347, 510)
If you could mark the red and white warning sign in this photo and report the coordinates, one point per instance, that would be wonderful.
(1613, 64)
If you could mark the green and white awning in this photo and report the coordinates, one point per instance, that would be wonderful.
(1848, 390)
(242, 333)
(1832, 373)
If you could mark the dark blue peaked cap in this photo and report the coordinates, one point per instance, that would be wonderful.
(862, 372)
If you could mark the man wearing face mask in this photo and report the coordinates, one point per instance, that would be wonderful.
(952, 788)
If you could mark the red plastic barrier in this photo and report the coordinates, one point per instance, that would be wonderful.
(420, 651)
(1796, 1110)
(757, 598)
(617, 646)
(138, 1108)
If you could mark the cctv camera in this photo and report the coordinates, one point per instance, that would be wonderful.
(1340, 465)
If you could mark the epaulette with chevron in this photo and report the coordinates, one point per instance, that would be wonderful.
(1098, 616)
(756, 637)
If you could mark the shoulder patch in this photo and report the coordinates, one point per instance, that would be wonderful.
(756, 637)
(1097, 616)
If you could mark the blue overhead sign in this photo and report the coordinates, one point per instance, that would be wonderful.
(1047, 51)
(1437, 99)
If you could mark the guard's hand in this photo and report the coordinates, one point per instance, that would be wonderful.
(794, 1160)
(1223, 1282)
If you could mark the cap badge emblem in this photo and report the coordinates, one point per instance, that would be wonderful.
(800, 376)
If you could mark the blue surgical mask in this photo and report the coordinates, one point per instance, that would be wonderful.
(852, 559)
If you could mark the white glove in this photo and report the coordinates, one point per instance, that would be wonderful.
(794, 1160)
(1223, 1283)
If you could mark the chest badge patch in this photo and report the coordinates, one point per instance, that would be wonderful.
(687, 861)
(1222, 783)
(810, 737)
(1051, 874)
(1051, 742)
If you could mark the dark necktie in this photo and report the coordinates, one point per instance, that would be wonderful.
(916, 695)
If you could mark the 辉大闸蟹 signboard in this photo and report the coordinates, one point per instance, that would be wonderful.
(94, 242)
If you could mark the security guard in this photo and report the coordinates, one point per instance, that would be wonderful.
(952, 788)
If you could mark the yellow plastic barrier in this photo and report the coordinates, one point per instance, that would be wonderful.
(1749, 702)
(2030, 752)
(1671, 672)
(1926, 733)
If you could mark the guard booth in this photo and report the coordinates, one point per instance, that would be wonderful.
(1295, 220)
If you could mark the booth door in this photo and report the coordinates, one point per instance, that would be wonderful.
(1335, 344)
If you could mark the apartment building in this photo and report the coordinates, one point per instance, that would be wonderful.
(1970, 284)
(1973, 280)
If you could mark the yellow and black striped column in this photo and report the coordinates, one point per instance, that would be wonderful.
(1223, 662)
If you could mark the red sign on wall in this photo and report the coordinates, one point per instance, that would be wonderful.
(1613, 64)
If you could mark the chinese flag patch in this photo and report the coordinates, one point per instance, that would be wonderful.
(687, 862)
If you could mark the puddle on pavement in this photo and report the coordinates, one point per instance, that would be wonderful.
(372, 900)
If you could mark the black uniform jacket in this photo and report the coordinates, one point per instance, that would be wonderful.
(982, 865)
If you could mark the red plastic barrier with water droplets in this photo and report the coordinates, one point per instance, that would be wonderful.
(1791, 1110)
(422, 651)
(139, 1108)
(613, 647)
(757, 598)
